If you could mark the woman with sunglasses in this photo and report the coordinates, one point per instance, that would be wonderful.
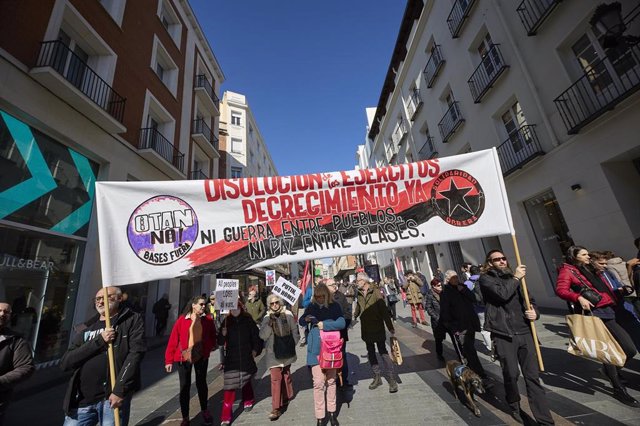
(577, 282)
(192, 339)
(322, 314)
(279, 328)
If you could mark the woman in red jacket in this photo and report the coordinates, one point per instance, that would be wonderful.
(573, 277)
(192, 339)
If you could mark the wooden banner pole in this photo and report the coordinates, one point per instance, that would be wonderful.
(112, 363)
(527, 304)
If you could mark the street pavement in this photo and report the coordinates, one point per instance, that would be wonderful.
(578, 394)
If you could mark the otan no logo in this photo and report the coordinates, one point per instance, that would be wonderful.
(162, 230)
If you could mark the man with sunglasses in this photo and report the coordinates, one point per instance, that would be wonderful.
(509, 323)
(89, 398)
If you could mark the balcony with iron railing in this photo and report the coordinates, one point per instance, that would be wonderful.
(434, 64)
(458, 15)
(68, 76)
(450, 122)
(202, 134)
(428, 150)
(534, 12)
(399, 133)
(521, 147)
(203, 87)
(486, 73)
(607, 83)
(197, 175)
(414, 104)
(152, 139)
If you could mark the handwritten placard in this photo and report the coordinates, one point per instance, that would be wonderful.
(286, 290)
(226, 294)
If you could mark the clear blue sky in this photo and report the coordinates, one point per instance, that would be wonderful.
(308, 69)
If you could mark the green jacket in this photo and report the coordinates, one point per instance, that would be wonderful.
(373, 315)
(256, 309)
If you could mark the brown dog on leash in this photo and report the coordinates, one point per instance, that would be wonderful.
(465, 378)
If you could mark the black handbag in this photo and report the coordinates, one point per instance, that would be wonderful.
(284, 347)
(592, 296)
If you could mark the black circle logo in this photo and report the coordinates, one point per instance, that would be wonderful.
(457, 198)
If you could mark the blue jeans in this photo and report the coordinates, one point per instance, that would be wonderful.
(98, 413)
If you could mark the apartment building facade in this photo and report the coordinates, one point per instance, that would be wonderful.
(535, 80)
(244, 151)
(101, 90)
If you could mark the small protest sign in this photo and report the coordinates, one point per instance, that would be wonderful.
(226, 294)
(270, 276)
(286, 290)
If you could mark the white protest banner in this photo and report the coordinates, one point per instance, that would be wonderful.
(286, 290)
(165, 229)
(270, 277)
(226, 294)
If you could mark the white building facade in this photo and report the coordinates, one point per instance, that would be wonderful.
(533, 79)
(245, 151)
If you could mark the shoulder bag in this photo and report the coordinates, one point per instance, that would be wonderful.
(585, 291)
(284, 347)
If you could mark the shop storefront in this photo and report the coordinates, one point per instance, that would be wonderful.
(46, 197)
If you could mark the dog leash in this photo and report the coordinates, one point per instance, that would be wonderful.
(457, 347)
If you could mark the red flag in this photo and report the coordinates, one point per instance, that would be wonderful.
(305, 278)
(400, 272)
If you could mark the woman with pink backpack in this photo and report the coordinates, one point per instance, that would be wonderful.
(323, 317)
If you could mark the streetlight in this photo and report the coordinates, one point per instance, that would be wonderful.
(608, 20)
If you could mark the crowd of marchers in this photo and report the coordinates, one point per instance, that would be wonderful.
(488, 299)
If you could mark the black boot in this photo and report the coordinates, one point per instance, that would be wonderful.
(623, 396)
(514, 410)
(333, 419)
(320, 422)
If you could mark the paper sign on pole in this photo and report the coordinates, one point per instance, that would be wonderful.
(226, 294)
(270, 276)
(286, 290)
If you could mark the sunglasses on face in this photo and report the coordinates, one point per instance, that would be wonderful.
(275, 303)
(499, 259)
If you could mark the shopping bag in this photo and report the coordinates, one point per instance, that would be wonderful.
(591, 339)
(396, 355)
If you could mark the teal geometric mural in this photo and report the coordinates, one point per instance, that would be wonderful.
(42, 182)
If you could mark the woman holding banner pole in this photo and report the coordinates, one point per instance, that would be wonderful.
(577, 282)
(192, 339)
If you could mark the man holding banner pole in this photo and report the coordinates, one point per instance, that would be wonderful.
(509, 316)
(91, 397)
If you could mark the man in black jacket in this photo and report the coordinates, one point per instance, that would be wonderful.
(16, 363)
(509, 323)
(90, 399)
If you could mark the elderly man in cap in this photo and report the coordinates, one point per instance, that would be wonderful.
(374, 315)
(91, 397)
